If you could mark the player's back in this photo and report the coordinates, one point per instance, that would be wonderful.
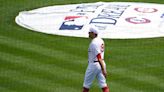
(96, 46)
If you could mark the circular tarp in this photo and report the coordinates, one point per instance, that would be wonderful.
(116, 20)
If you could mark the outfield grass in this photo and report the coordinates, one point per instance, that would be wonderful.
(37, 62)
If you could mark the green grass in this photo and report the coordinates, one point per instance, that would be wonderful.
(36, 62)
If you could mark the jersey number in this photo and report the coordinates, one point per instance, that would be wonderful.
(102, 47)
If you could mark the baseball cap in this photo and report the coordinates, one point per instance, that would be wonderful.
(93, 29)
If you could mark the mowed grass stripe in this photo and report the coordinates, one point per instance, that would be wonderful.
(136, 80)
(40, 70)
(3, 89)
(31, 68)
(32, 47)
(41, 59)
(14, 84)
(17, 80)
(119, 87)
(58, 57)
(9, 44)
(145, 63)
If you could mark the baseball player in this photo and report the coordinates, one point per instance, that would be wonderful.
(96, 65)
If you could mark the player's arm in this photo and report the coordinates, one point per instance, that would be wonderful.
(102, 64)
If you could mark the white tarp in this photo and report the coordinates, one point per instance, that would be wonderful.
(116, 20)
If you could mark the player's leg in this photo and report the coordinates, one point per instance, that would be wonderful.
(85, 89)
(105, 89)
(88, 79)
(102, 82)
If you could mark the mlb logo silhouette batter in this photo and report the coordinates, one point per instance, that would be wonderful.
(73, 23)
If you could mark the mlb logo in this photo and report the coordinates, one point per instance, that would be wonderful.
(73, 22)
